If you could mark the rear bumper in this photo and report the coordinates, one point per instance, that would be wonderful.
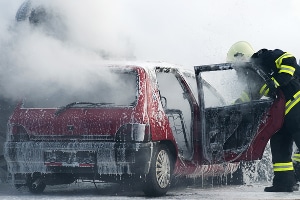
(111, 158)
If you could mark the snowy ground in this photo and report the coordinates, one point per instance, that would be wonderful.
(87, 191)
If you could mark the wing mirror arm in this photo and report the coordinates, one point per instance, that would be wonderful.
(163, 102)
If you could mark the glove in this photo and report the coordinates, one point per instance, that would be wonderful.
(263, 60)
(272, 88)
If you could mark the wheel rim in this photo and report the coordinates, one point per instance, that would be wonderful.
(163, 169)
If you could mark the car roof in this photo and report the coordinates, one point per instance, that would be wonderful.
(148, 65)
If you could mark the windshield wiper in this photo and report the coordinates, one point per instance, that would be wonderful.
(66, 107)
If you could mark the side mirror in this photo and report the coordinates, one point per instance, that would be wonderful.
(163, 102)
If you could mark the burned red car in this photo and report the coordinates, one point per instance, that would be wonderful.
(150, 122)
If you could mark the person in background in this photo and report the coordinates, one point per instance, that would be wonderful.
(239, 53)
(280, 67)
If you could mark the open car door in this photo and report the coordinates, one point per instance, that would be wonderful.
(232, 131)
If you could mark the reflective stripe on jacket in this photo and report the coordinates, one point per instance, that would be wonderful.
(292, 102)
(282, 64)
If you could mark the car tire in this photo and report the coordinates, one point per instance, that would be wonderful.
(158, 180)
(36, 188)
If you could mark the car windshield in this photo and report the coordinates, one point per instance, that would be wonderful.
(110, 88)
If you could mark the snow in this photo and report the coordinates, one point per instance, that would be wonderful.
(87, 191)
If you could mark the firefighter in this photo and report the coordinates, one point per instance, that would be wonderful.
(280, 67)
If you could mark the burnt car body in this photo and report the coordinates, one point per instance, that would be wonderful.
(170, 123)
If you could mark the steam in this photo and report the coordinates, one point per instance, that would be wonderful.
(55, 54)
(34, 58)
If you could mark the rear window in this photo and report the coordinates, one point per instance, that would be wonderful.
(110, 88)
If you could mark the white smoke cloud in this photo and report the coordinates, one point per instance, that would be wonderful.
(36, 58)
(41, 59)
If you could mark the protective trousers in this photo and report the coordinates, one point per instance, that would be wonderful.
(282, 148)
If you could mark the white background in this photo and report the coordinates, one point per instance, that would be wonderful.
(186, 32)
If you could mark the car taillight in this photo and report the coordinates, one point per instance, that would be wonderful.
(17, 133)
(133, 133)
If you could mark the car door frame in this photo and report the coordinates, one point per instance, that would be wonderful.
(270, 123)
(195, 148)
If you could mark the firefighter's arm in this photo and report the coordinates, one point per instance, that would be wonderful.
(269, 89)
(286, 65)
(244, 97)
(282, 79)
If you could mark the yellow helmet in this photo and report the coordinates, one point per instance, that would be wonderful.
(240, 51)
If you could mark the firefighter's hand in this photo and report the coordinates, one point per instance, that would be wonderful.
(272, 89)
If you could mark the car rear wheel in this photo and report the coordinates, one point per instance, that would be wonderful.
(159, 177)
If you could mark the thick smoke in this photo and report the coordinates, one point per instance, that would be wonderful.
(35, 56)
(50, 45)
